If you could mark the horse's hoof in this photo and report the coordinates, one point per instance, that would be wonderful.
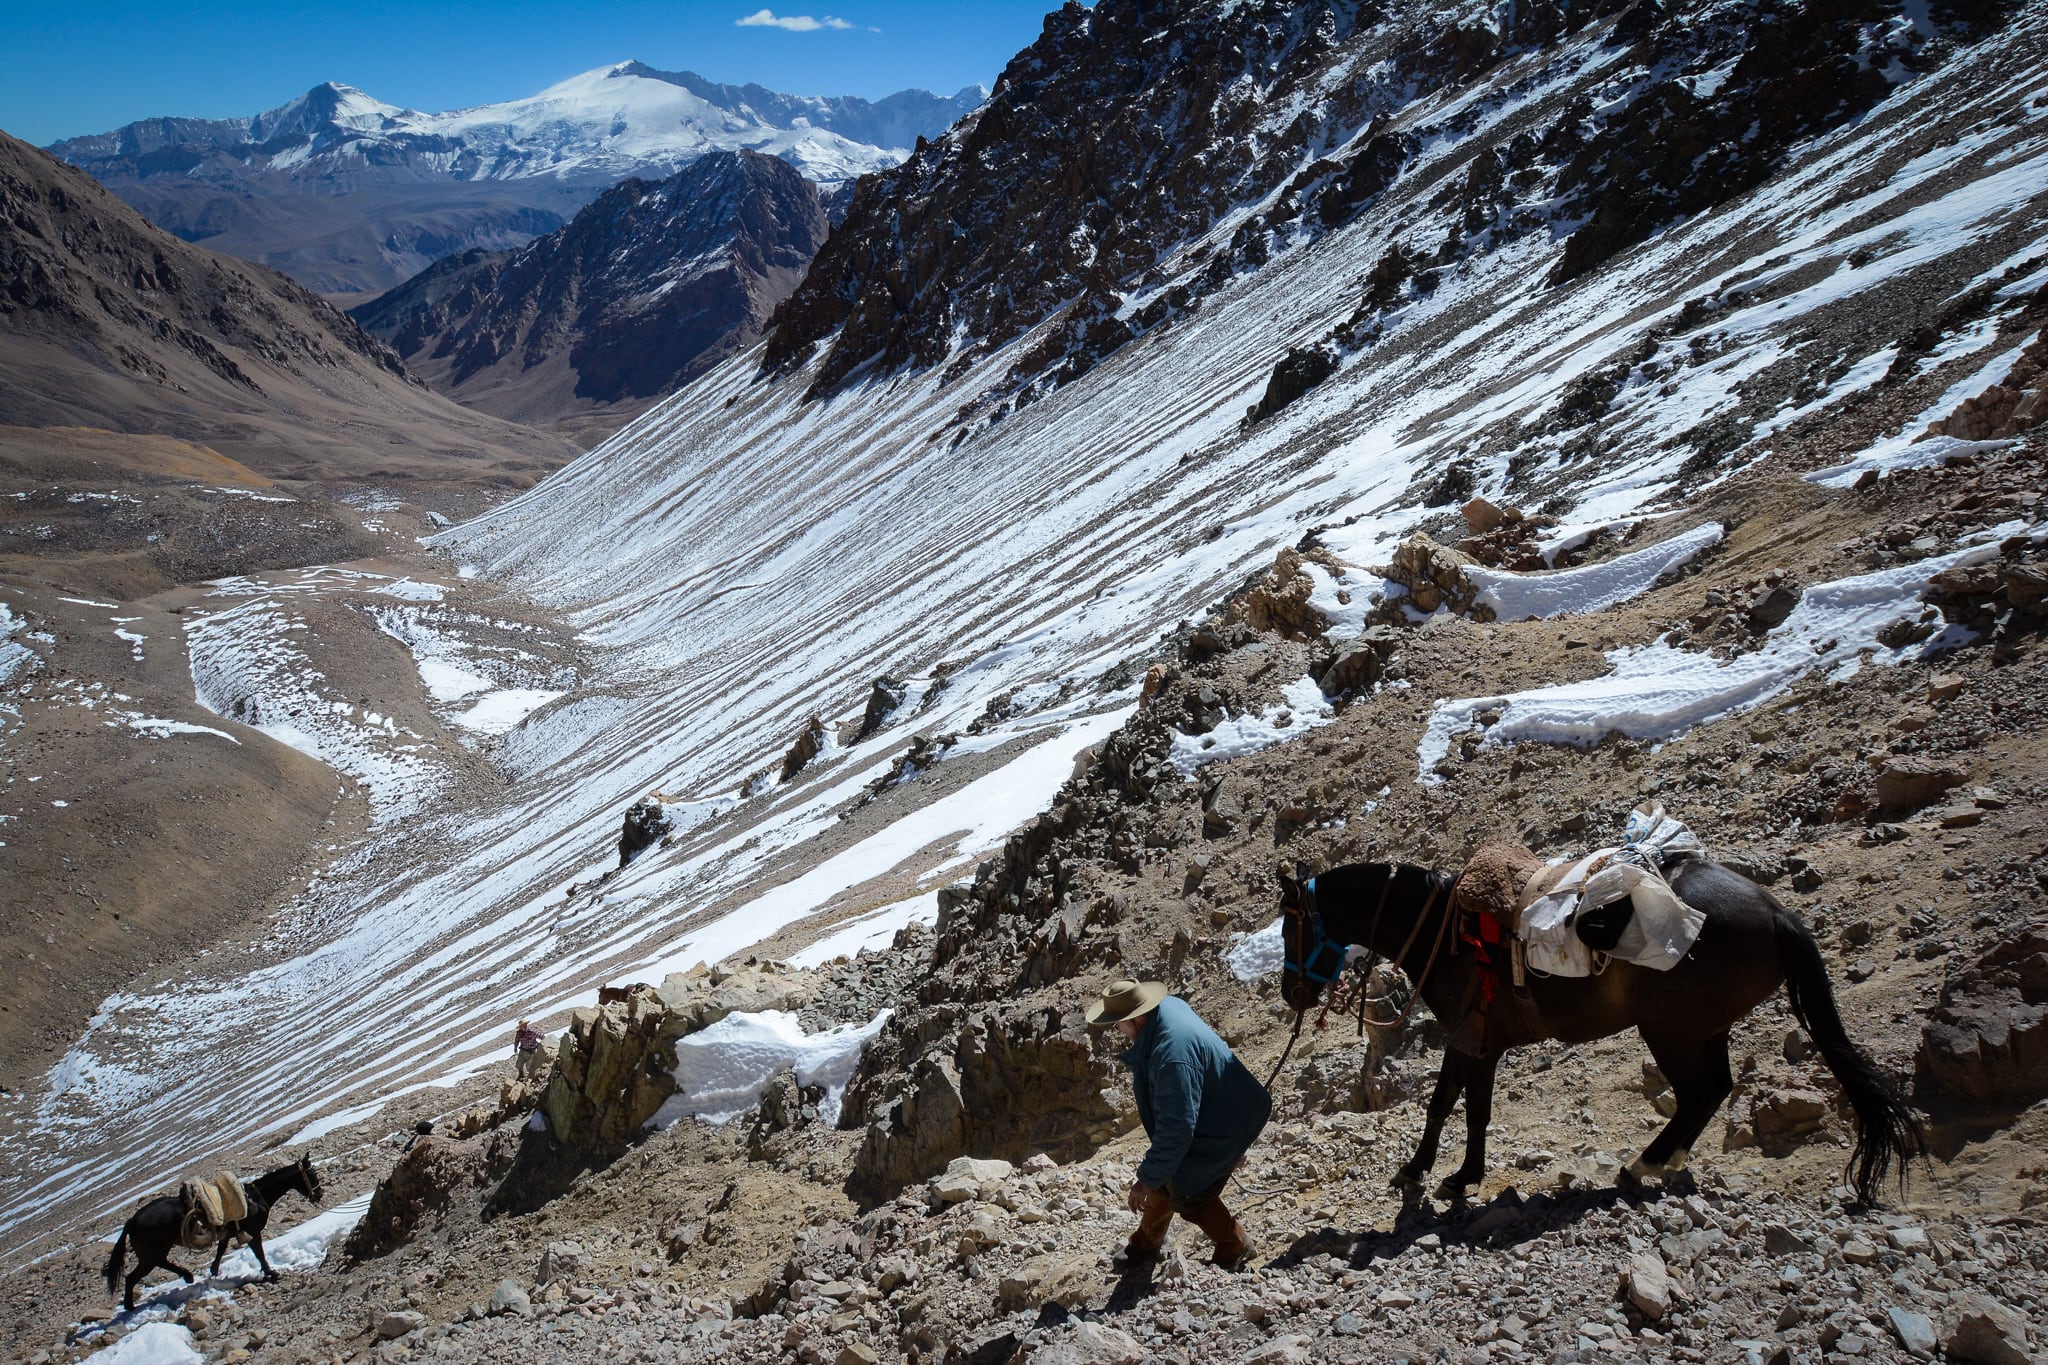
(1450, 1191)
(269, 1276)
(1405, 1182)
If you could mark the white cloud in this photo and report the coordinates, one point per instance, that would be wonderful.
(795, 23)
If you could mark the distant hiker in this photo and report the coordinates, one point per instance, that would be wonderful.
(1201, 1108)
(526, 1050)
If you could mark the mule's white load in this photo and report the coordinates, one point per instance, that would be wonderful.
(1660, 931)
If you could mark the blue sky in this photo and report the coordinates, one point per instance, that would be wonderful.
(72, 68)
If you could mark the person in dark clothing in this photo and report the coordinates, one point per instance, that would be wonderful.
(1201, 1108)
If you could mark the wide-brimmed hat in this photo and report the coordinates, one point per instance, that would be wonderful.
(1126, 1000)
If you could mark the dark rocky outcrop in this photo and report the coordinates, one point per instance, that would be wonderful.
(1088, 197)
(888, 694)
(1987, 1041)
(643, 290)
(419, 1187)
(645, 824)
(1300, 370)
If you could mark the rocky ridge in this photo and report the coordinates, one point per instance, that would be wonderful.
(1179, 146)
(646, 288)
(108, 322)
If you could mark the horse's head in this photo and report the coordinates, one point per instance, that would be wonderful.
(309, 1178)
(1311, 958)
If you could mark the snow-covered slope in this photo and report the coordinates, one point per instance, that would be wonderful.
(596, 127)
(746, 556)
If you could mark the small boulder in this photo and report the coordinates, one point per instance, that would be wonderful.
(1987, 1333)
(1770, 610)
(1986, 1041)
(1287, 1350)
(560, 1261)
(1648, 1285)
(1481, 515)
(392, 1326)
(1915, 1332)
(1090, 1343)
(1785, 1118)
(1907, 782)
(508, 1297)
(1069, 1281)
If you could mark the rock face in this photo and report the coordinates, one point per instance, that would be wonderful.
(1988, 1333)
(1434, 576)
(1987, 1041)
(1166, 117)
(614, 1068)
(645, 823)
(648, 287)
(1019, 1086)
(417, 1187)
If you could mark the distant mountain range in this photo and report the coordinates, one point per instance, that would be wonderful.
(110, 324)
(351, 195)
(648, 287)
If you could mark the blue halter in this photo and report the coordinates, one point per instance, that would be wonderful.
(1317, 969)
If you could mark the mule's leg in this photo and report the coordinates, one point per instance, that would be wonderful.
(256, 1244)
(1479, 1073)
(1450, 1079)
(220, 1249)
(1700, 1079)
(134, 1278)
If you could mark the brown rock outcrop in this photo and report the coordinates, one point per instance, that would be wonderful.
(1908, 782)
(421, 1183)
(614, 1068)
(1279, 603)
(1433, 575)
(1013, 1087)
(2008, 408)
(1987, 1040)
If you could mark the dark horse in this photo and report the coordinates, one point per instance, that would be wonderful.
(157, 1225)
(1748, 946)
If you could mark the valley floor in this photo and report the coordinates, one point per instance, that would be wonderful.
(743, 1242)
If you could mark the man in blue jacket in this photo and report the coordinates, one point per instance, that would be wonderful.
(1200, 1107)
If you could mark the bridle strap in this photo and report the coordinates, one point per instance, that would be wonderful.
(1323, 942)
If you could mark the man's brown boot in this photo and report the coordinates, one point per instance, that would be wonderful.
(1152, 1223)
(1223, 1229)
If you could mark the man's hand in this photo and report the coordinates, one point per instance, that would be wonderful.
(1140, 1192)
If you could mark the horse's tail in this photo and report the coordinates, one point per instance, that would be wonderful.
(1886, 1128)
(116, 1261)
